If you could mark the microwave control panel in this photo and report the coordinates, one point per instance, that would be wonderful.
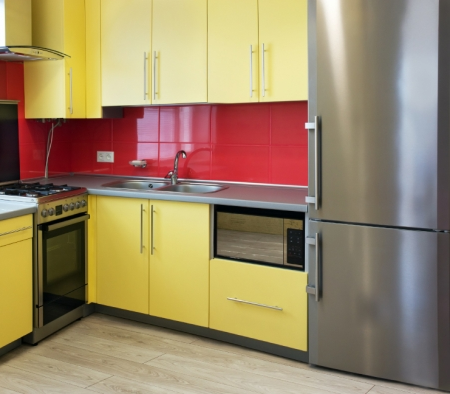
(295, 251)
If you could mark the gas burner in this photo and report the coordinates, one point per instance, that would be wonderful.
(31, 194)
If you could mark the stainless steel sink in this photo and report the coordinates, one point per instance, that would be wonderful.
(193, 188)
(137, 185)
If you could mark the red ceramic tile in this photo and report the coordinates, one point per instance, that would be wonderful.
(240, 163)
(195, 166)
(60, 158)
(126, 152)
(81, 154)
(32, 131)
(288, 123)
(240, 124)
(133, 128)
(190, 124)
(91, 130)
(289, 165)
(3, 78)
(32, 160)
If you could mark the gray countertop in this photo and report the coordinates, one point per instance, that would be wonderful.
(244, 195)
(11, 209)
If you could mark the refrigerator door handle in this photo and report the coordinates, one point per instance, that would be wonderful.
(315, 127)
(315, 290)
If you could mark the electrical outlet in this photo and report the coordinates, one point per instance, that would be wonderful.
(105, 157)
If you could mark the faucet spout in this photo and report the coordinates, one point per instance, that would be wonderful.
(174, 173)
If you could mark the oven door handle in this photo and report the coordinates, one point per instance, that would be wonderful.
(66, 223)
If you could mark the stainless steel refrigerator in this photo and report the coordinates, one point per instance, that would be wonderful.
(379, 188)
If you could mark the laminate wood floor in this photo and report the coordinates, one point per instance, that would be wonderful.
(104, 354)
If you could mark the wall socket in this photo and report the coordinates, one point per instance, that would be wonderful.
(105, 157)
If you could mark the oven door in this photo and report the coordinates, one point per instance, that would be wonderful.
(61, 269)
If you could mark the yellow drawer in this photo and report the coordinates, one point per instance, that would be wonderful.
(16, 229)
(233, 282)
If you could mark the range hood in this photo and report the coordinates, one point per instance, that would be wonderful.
(15, 28)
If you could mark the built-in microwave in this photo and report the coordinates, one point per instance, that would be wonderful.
(262, 236)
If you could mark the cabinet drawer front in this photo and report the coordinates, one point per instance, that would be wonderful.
(264, 303)
(16, 229)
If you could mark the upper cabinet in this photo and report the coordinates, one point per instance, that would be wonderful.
(126, 52)
(257, 50)
(57, 89)
(179, 44)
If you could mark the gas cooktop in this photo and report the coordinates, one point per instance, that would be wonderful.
(38, 192)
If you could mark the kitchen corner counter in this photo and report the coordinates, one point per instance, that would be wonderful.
(244, 195)
(11, 209)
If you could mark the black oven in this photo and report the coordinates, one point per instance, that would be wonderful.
(62, 273)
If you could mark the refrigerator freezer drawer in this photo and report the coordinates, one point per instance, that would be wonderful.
(383, 306)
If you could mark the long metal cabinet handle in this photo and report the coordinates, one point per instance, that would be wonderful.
(70, 91)
(152, 247)
(263, 72)
(16, 230)
(154, 75)
(316, 198)
(254, 303)
(251, 71)
(142, 228)
(315, 291)
(145, 76)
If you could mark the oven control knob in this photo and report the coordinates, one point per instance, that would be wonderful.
(44, 213)
(72, 206)
(83, 203)
(51, 211)
(65, 207)
(77, 205)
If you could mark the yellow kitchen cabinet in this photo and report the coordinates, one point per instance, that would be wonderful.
(122, 253)
(179, 264)
(15, 278)
(57, 88)
(179, 43)
(257, 50)
(260, 302)
(126, 52)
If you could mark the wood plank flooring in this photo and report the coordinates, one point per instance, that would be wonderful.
(104, 354)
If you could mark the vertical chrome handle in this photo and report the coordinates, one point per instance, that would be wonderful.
(316, 128)
(251, 71)
(145, 76)
(263, 73)
(315, 291)
(152, 247)
(70, 91)
(142, 228)
(154, 75)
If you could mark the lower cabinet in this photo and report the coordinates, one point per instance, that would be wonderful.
(179, 264)
(259, 302)
(15, 279)
(122, 253)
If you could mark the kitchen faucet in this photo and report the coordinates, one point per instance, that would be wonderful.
(173, 175)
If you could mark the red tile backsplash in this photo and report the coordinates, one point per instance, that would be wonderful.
(261, 143)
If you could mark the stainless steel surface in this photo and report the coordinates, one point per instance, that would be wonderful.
(315, 126)
(145, 76)
(192, 188)
(251, 71)
(68, 222)
(263, 71)
(152, 246)
(384, 309)
(382, 92)
(254, 303)
(141, 248)
(138, 163)
(71, 90)
(136, 184)
(313, 290)
(17, 53)
(173, 175)
(17, 230)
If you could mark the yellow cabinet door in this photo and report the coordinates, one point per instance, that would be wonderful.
(283, 62)
(125, 52)
(179, 42)
(260, 302)
(16, 285)
(179, 264)
(122, 253)
(233, 51)
(57, 89)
